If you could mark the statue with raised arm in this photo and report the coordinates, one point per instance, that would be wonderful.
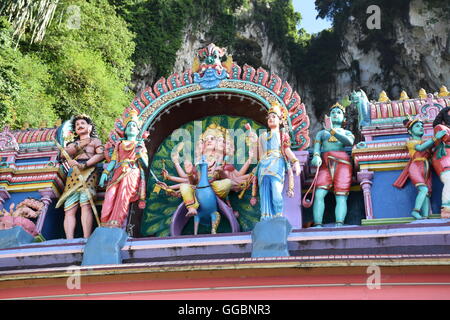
(209, 149)
(85, 152)
(275, 158)
(126, 175)
(333, 165)
(441, 157)
(216, 146)
(418, 168)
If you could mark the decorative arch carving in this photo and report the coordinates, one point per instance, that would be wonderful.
(223, 78)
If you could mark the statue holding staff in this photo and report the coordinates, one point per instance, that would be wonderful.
(82, 156)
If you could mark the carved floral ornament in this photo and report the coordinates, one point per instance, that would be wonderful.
(7, 141)
(210, 75)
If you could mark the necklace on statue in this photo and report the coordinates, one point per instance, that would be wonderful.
(128, 145)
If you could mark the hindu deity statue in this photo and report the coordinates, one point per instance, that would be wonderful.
(84, 153)
(208, 68)
(418, 168)
(275, 158)
(240, 180)
(441, 157)
(21, 215)
(214, 146)
(334, 166)
(125, 174)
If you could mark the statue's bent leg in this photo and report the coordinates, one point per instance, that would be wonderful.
(215, 220)
(222, 188)
(319, 205)
(189, 199)
(426, 206)
(420, 200)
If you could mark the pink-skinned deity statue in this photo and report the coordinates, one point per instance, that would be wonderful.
(125, 174)
(441, 157)
(21, 215)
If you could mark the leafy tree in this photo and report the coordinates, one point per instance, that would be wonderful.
(85, 84)
(82, 65)
(23, 82)
(9, 82)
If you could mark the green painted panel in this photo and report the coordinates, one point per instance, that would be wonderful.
(160, 206)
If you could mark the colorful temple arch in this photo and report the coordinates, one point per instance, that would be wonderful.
(154, 262)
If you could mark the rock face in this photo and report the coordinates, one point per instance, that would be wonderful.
(421, 43)
(422, 46)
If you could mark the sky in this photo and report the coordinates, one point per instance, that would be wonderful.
(309, 13)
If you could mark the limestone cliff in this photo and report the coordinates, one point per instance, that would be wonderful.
(422, 51)
(419, 43)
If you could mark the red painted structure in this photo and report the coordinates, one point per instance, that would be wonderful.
(343, 278)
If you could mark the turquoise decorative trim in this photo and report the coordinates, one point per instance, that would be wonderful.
(36, 144)
(176, 99)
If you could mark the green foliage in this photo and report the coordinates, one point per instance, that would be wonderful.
(159, 26)
(23, 82)
(9, 82)
(160, 207)
(33, 105)
(83, 65)
(316, 66)
(94, 26)
(87, 87)
(280, 21)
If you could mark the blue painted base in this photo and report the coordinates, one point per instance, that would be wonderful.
(391, 202)
(104, 246)
(269, 238)
(14, 237)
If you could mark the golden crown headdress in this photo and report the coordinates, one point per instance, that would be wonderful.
(213, 129)
(278, 109)
(132, 116)
(338, 105)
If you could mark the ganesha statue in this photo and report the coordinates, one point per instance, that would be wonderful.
(205, 185)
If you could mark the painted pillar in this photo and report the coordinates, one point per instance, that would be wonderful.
(293, 206)
(4, 195)
(47, 195)
(365, 180)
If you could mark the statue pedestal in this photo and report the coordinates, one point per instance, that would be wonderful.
(14, 237)
(104, 246)
(269, 238)
(292, 207)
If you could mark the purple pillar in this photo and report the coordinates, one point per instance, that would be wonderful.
(47, 195)
(293, 206)
(4, 195)
(365, 180)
